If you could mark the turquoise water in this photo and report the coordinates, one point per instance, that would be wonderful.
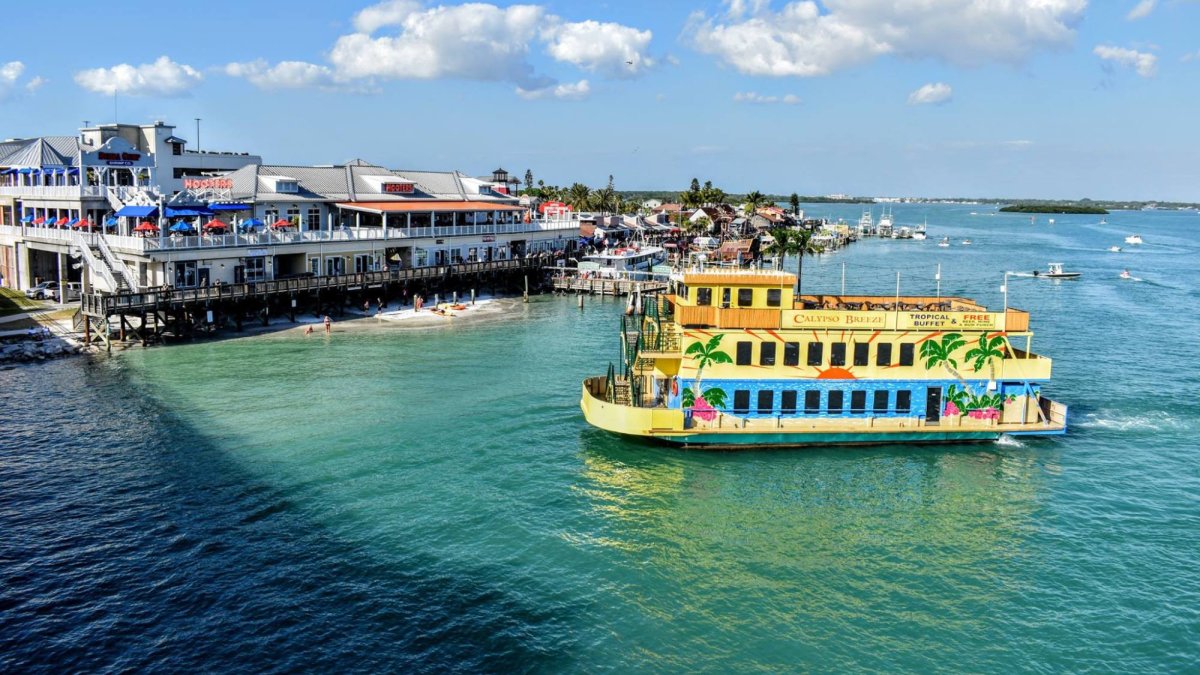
(432, 499)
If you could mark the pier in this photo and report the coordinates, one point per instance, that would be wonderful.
(573, 283)
(149, 315)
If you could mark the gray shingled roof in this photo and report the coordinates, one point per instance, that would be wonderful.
(347, 183)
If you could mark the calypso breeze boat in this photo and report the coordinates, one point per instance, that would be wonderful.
(732, 359)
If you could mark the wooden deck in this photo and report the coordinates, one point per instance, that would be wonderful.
(601, 286)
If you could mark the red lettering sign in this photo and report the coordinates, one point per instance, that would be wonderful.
(398, 188)
(207, 183)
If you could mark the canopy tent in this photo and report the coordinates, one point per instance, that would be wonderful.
(137, 211)
(215, 225)
(146, 226)
(228, 207)
(182, 227)
(187, 212)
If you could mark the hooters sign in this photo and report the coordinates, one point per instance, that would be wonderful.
(207, 183)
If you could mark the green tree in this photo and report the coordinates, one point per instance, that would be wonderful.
(579, 197)
(784, 242)
(795, 202)
(528, 179)
(701, 225)
(754, 200)
(941, 353)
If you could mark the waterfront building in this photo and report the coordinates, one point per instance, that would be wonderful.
(733, 358)
(252, 222)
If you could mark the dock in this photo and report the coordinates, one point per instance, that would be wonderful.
(607, 286)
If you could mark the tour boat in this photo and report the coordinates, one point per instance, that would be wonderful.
(734, 359)
(1133, 239)
(1056, 272)
(626, 262)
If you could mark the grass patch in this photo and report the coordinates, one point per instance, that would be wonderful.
(15, 302)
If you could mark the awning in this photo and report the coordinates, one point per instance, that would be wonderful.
(228, 207)
(187, 212)
(425, 206)
(137, 211)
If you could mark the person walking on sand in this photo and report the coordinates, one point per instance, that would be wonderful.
(308, 330)
(328, 324)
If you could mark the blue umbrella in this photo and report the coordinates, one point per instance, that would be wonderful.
(182, 226)
(27, 219)
(251, 224)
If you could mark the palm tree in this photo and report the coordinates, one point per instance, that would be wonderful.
(753, 201)
(795, 203)
(804, 246)
(700, 225)
(579, 196)
(706, 353)
(784, 243)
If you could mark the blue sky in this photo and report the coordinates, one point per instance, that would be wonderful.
(1041, 98)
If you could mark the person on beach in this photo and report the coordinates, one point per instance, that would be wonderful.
(328, 324)
(418, 302)
(308, 330)
(366, 306)
(382, 305)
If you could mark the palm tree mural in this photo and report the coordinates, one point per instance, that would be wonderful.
(965, 401)
(706, 353)
(942, 353)
(988, 349)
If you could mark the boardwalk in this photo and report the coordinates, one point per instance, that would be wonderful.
(616, 287)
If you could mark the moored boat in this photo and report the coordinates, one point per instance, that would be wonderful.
(625, 262)
(735, 359)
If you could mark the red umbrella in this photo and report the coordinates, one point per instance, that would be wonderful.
(281, 224)
(214, 225)
(39, 220)
(83, 224)
(63, 221)
(146, 226)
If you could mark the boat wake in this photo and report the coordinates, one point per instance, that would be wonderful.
(1150, 421)
(1007, 441)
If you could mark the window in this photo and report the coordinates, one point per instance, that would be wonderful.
(774, 297)
(903, 402)
(744, 351)
(835, 402)
(293, 216)
(883, 354)
(766, 402)
(766, 354)
(256, 269)
(177, 148)
(725, 295)
(862, 353)
(791, 353)
(812, 402)
(314, 266)
(837, 354)
(906, 353)
(745, 297)
(741, 401)
(703, 297)
(683, 290)
(881, 402)
(314, 219)
(787, 402)
(858, 402)
(815, 355)
(289, 186)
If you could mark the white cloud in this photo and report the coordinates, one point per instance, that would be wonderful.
(752, 97)
(1144, 63)
(801, 40)
(565, 92)
(283, 75)
(609, 48)
(35, 84)
(1141, 10)
(1190, 56)
(10, 75)
(390, 13)
(932, 93)
(164, 77)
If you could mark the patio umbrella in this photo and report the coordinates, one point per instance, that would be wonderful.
(39, 220)
(27, 219)
(111, 223)
(252, 224)
(215, 225)
(84, 224)
(281, 224)
(182, 227)
(146, 226)
(63, 221)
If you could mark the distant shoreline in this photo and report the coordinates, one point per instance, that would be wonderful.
(1054, 208)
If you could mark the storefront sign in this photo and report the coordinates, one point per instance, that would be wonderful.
(118, 156)
(207, 183)
(439, 241)
(489, 237)
(256, 252)
(398, 188)
(824, 318)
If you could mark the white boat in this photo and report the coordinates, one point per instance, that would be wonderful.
(886, 223)
(631, 262)
(945, 242)
(966, 242)
(1056, 272)
(1114, 249)
(1133, 239)
(1103, 221)
(866, 225)
(919, 233)
(1126, 275)
(902, 233)
(1051, 221)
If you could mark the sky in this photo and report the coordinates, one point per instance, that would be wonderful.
(1061, 99)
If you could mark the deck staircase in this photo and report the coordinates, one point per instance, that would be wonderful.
(109, 272)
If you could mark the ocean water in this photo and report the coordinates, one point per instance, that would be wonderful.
(431, 500)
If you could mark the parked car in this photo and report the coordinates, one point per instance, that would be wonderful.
(47, 290)
(73, 291)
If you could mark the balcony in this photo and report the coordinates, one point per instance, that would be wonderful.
(53, 191)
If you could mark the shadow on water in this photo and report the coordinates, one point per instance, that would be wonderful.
(131, 542)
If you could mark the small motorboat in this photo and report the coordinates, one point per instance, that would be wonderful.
(1056, 272)
(1114, 249)
(1126, 275)
(966, 242)
(945, 242)
(1133, 239)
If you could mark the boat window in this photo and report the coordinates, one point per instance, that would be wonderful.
(774, 297)
(835, 402)
(745, 297)
(682, 291)
(903, 401)
(703, 297)
(725, 294)
(906, 353)
(741, 401)
(881, 402)
(883, 354)
(837, 354)
(862, 353)
(791, 353)
(787, 402)
(858, 402)
(815, 353)
(766, 354)
(766, 402)
(812, 402)
(744, 351)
